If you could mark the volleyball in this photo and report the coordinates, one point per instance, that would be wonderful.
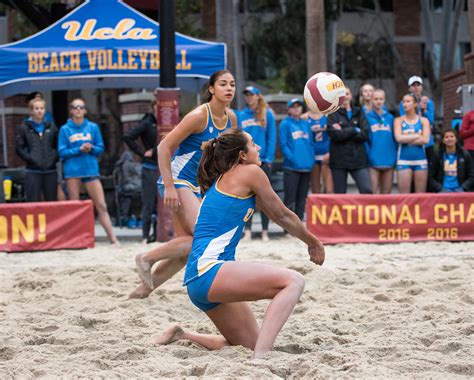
(324, 93)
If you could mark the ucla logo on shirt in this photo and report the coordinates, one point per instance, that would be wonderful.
(80, 137)
(380, 127)
(299, 135)
(451, 168)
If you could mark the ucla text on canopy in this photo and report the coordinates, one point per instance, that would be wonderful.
(102, 59)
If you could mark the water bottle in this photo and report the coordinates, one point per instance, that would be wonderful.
(7, 188)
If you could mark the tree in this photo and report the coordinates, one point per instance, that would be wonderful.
(228, 31)
(315, 37)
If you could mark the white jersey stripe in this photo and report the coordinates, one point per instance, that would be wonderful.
(214, 249)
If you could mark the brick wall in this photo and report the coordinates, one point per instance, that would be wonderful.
(469, 67)
(452, 100)
(407, 24)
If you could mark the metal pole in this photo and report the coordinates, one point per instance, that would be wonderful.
(167, 100)
(4, 134)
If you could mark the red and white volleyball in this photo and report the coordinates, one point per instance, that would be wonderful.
(324, 93)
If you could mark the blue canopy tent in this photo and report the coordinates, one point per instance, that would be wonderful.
(102, 44)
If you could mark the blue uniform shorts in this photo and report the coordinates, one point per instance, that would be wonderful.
(161, 189)
(198, 289)
(88, 179)
(412, 167)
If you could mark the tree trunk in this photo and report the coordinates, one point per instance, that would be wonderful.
(228, 31)
(315, 37)
(239, 63)
(470, 9)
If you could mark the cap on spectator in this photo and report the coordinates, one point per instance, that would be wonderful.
(292, 101)
(415, 79)
(252, 90)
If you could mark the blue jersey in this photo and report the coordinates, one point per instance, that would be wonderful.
(71, 138)
(320, 136)
(429, 114)
(218, 229)
(296, 144)
(185, 161)
(263, 135)
(409, 154)
(450, 179)
(382, 147)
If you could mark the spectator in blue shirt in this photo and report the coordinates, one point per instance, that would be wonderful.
(296, 144)
(258, 120)
(80, 143)
(382, 147)
(453, 168)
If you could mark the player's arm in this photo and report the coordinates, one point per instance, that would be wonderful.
(193, 122)
(399, 137)
(425, 137)
(269, 202)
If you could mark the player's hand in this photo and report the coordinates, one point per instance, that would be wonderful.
(171, 199)
(317, 254)
(148, 153)
(337, 126)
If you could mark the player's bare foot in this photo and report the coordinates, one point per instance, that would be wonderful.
(142, 291)
(144, 271)
(170, 335)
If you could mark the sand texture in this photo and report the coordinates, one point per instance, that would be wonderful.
(372, 311)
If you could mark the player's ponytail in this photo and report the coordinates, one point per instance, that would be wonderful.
(220, 154)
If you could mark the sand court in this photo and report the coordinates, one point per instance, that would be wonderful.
(391, 311)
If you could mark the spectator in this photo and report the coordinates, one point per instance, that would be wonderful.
(365, 97)
(319, 124)
(80, 142)
(36, 141)
(130, 184)
(467, 132)
(348, 131)
(296, 144)
(258, 120)
(412, 131)
(382, 147)
(425, 108)
(48, 115)
(146, 132)
(453, 167)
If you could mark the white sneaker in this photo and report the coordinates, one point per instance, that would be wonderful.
(247, 235)
(265, 237)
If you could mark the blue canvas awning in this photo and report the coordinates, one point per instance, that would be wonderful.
(103, 44)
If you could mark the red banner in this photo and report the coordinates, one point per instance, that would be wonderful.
(344, 218)
(46, 225)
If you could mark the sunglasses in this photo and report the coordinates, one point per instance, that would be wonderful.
(78, 107)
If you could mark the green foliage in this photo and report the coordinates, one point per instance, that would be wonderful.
(186, 13)
(277, 49)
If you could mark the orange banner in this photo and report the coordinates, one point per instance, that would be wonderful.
(348, 218)
(46, 225)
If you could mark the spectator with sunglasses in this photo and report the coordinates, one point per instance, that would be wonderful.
(80, 143)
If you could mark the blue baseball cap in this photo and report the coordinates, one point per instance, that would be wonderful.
(292, 101)
(252, 90)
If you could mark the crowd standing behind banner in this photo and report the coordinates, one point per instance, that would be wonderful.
(348, 142)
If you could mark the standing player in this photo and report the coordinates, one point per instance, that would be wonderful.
(319, 124)
(258, 120)
(230, 176)
(178, 185)
(382, 147)
(412, 131)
